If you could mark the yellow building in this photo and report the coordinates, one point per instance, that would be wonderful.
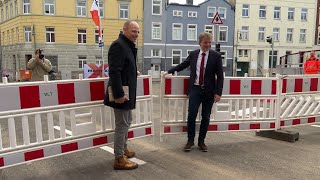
(64, 29)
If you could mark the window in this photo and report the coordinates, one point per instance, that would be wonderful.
(27, 34)
(289, 34)
(2, 15)
(17, 35)
(245, 10)
(223, 33)
(96, 36)
(26, 7)
(304, 14)
(177, 32)
(192, 32)
(240, 52)
(276, 32)
(276, 13)
(8, 37)
(244, 34)
(11, 9)
(156, 7)
(273, 58)
(81, 8)
(209, 29)
(222, 12)
(262, 12)
(49, 7)
(82, 61)
(156, 31)
(15, 7)
(261, 33)
(177, 13)
(192, 14)
(245, 52)
(12, 36)
(82, 36)
(302, 35)
(101, 9)
(7, 12)
(290, 13)
(99, 60)
(176, 57)
(211, 12)
(50, 37)
(124, 11)
(224, 58)
(156, 53)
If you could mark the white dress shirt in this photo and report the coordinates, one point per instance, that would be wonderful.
(199, 64)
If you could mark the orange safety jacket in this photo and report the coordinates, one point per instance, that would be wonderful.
(311, 66)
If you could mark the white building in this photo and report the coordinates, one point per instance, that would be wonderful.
(291, 23)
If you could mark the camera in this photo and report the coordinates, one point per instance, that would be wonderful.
(41, 55)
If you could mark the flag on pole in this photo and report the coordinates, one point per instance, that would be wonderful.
(95, 15)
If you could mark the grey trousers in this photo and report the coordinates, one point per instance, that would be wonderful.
(123, 119)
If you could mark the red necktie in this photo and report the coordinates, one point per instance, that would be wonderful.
(201, 69)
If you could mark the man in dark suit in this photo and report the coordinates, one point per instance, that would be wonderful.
(123, 72)
(203, 88)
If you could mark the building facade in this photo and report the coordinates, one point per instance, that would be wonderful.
(174, 32)
(290, 23)
(64, 29)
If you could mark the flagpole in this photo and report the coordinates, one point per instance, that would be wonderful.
(101, 40)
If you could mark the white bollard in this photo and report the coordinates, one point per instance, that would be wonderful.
(245, 74)
(80, 76)
(46, 78)
(5, 80)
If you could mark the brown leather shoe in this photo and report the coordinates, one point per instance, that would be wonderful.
(188, 146)
(129, 154)
(122, 163)
(203, 147)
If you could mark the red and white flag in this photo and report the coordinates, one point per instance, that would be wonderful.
(96, 15)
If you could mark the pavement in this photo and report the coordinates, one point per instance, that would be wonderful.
(231, 155)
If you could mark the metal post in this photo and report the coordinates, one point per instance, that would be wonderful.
(236, 57)
(272, 45)
(34, 37)
(216, 34)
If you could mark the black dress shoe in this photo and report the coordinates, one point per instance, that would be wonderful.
(188, 146)
(203, 147)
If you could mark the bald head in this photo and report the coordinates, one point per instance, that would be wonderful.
(131, 30)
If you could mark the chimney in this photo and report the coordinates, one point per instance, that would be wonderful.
(190, 2)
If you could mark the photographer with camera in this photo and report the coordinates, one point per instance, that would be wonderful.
(39, 65)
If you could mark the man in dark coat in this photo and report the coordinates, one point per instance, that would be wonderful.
(205, 87)
(123, 73)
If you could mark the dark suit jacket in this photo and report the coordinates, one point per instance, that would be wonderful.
(122, 72)
(213, 69)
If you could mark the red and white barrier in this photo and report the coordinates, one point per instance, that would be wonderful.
(44, 94)
(56, 149)
(232, 86)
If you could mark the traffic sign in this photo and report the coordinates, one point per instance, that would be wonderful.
(217, 19)
(101, 44)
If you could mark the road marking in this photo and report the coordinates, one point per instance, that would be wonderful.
(106, 148)
(110, 150)
(315, 125)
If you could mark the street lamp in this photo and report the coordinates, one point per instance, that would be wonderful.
(270, 41)
(236, 56)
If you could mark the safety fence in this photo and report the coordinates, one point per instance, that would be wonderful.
(247, 104)
(40, 120)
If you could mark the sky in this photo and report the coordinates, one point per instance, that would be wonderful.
(196, 2)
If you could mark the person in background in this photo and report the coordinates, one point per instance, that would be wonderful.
(311, 65)
(39, 65)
